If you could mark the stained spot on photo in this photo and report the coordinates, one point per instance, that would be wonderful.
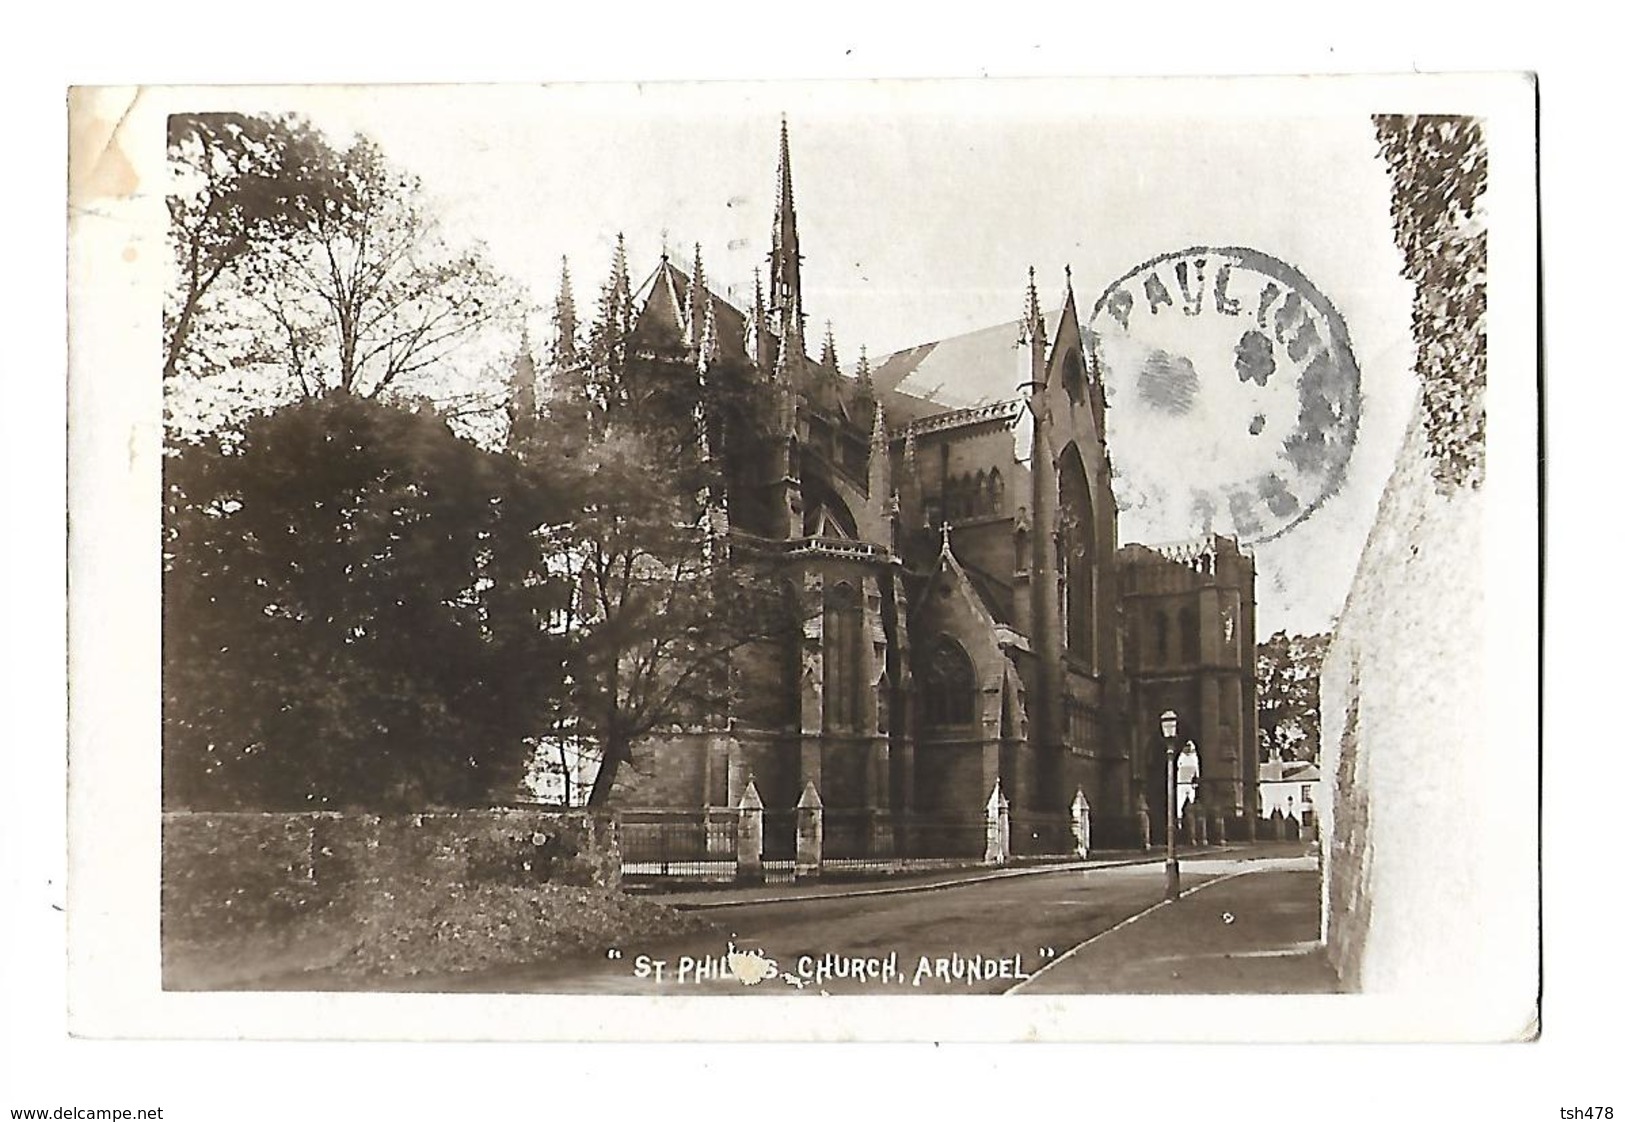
(1255, 358)
(1168, 382)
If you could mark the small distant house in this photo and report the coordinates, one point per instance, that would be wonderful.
(1290, 786)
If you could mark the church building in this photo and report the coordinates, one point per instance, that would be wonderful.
(970, 626)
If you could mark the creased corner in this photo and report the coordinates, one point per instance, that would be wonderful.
(99, 167)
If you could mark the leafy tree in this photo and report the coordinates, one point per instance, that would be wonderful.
(356, 614)
(662, 609)
(305, 269)
(239, 185)
(1289, 694)
(1439, 168)
(372, 295)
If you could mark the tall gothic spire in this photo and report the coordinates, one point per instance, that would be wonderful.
(789, 317)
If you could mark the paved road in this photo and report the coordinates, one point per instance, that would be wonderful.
(980, 938)
(1258, 933)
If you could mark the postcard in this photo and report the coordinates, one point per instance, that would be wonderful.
(551, 562)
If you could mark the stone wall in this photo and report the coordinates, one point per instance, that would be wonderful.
(1430, 864)
(236, 872)
(950, 777)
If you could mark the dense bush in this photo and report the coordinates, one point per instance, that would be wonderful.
(354, 610)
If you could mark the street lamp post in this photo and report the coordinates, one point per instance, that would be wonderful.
(1170, 730)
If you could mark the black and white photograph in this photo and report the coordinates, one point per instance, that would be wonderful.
(891, 542)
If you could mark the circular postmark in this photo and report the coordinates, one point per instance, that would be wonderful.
(1234, 394)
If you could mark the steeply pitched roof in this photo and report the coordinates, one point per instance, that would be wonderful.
(974, 369)
(1288, 771)
(996, 596)
(664, 308)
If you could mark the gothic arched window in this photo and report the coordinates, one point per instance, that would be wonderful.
(1190, 636)
(995, 491)
(950, 685)
(1160, 623)
(843, 658)
(1072, 376)
(883, 704)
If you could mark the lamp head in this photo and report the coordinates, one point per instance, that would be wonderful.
(1170, 725)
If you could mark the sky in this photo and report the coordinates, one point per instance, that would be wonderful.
(921, 207)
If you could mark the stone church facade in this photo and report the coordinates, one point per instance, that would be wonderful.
(968, 620)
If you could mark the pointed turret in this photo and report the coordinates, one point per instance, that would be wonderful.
(698, 302)
(620, 277)
(878, 437)
(865, 376)
(566, 327)
(567, 392)
(522, 418)
(785, 306)
(1033, 332)
(612, 329)
(625, 310)
(828, 358)
(909, 492)
(880, 486)
(758, 342)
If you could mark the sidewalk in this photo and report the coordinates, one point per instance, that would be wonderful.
(1251, 932)
(723, 896)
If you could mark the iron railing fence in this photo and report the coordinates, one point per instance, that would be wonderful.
(860, 843)
(701, 845)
